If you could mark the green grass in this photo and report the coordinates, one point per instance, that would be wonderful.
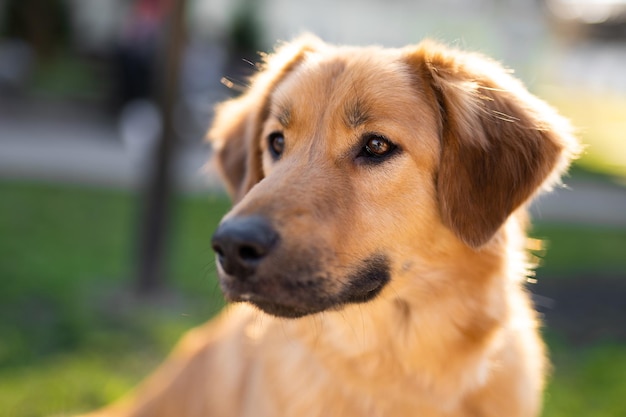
(66, 75)
(73, 337)
(580, 250)
(587, 381)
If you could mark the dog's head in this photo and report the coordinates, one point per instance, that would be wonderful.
(350, 167)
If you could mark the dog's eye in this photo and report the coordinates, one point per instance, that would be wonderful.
(276, 144)
(377, 147)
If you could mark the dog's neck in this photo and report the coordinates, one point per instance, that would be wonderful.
(404, 328)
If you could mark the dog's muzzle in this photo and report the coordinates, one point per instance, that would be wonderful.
(256, 266)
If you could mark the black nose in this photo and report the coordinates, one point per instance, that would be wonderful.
(241, 243)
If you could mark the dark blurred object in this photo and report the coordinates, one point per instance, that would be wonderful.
(137, 50)
(43, 24)
(156, 211)
(603, 18)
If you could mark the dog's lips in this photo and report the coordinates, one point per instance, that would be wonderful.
(280, 310)
(276, 295)
(268, 305)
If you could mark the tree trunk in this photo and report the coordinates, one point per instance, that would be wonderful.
(152, 263)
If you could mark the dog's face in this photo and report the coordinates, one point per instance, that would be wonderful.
(353, 168)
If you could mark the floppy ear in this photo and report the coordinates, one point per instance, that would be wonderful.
(238, 122)
(499, 143)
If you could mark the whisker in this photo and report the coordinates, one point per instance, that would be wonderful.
(237, 86)
(247, 61)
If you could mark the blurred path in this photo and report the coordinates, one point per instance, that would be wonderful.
(596, 64)
(586, 201)
(76, 144)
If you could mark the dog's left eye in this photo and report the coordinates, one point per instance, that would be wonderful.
(377, 147)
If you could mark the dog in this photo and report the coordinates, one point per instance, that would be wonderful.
(375, 255)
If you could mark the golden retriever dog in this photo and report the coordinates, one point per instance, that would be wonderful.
(376, 251)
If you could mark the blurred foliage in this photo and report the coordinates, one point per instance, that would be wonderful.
(75, 337)
(245, 32)
(600, 120)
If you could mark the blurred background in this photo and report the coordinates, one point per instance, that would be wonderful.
(107, 205)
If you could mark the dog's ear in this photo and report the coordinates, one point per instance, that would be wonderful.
(238, 122)
(499, 143)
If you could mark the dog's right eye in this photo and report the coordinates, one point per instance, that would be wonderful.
(276, 144)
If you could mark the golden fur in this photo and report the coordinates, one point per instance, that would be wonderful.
(416, 260)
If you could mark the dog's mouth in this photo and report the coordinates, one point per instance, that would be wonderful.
(293, 295)
(275, 308)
